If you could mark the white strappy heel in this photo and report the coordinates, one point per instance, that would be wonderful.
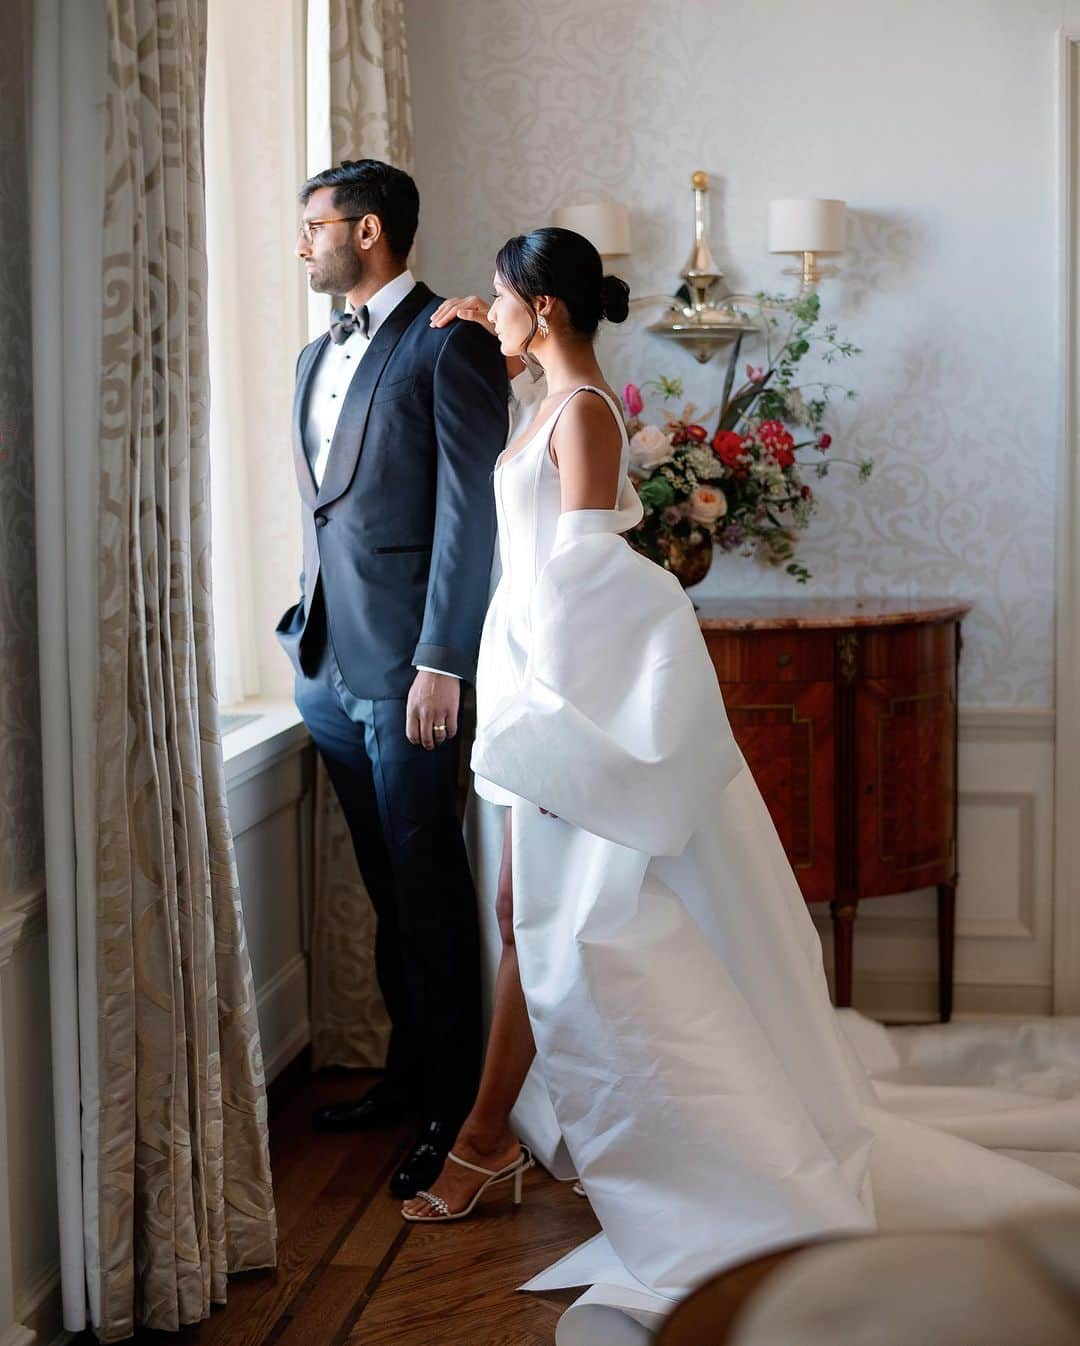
(516, 1170)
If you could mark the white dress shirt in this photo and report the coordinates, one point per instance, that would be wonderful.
(335, 371)
(333, 374)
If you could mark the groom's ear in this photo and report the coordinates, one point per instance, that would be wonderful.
(368, 231)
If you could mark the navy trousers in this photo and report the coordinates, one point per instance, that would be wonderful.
(400, 802)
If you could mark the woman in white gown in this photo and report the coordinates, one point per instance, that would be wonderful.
(656, 948)
(708, 1102)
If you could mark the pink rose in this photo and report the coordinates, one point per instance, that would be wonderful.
(755, 373)
(649, 448)
(631, 396)
(707, 505)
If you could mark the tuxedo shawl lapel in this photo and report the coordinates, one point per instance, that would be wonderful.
(349, 435)
(305, 371)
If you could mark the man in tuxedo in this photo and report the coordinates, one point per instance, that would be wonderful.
(396, 427)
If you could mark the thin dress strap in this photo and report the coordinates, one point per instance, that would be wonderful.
(612, 407)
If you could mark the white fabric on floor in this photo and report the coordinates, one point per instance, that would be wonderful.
(977, 1122)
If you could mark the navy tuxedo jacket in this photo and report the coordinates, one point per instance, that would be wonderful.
(398, 539)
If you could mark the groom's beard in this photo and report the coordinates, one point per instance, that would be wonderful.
(336, 272)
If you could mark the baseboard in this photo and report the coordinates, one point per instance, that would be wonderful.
(284, 1024)
(17, 1335)
(912, 997)
(40, 1308)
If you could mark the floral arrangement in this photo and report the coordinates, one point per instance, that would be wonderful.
(740, 485)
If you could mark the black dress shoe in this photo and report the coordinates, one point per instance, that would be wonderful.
(380, 1107)
(424, 1164)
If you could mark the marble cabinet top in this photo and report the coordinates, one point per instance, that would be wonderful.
(772, 614)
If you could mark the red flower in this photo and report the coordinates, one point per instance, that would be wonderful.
(806, 493)
(824, 441)
(728, 447)
(697, 433)
(777, 442)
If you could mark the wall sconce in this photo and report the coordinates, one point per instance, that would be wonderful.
(810, 227)
(606, 224)
(703, 315)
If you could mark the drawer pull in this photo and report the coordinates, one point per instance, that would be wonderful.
(782, 660)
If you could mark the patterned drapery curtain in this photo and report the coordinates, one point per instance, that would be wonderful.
(183, 1173)
(370, 118)
(370, 106)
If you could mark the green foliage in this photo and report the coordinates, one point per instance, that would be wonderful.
(656, 492)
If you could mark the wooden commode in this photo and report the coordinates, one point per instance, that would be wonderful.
(846, 712)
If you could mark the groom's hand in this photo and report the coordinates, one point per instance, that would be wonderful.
(431, 712)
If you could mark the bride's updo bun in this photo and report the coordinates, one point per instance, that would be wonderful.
(565, 265)
(615, 299)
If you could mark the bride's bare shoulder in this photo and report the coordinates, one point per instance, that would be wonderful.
(588, 421)
(587, 449)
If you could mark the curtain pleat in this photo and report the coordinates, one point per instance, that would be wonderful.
(183, 1166)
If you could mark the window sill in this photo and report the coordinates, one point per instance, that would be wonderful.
(276, 731)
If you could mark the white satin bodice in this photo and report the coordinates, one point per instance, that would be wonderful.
(528, 506)
(528, 502)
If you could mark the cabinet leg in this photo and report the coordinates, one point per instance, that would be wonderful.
(946, 916)
(843, 922)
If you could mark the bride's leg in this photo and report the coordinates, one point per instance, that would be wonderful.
(485, 1137)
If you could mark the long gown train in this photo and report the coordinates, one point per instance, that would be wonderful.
(690, 1067)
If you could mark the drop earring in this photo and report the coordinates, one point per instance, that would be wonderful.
(542, 325)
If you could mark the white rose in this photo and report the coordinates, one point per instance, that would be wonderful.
(649, 448)
(707, 505)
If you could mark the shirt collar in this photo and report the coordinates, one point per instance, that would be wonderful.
(383, 302)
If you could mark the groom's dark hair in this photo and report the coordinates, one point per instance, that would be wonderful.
(370, 187)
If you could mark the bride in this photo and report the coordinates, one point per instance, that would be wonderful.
(657, 955)
(656, 950)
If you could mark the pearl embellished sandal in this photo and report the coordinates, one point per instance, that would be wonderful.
(441, 1210)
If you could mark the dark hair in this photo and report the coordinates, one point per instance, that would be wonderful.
(566, 266)
(368, 186)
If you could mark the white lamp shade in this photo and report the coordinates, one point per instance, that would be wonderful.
(807, 226)
(606, 224)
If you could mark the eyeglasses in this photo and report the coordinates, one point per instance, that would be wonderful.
(306, 226)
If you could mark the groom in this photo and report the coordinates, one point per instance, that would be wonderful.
(396, 427)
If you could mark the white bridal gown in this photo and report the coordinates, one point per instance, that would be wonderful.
(688, 1057)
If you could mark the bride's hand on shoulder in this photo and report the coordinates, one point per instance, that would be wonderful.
(470, 309)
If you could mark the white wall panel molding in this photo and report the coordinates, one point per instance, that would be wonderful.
(1004, 934)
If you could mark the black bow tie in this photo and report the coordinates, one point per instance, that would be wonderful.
(346, 323)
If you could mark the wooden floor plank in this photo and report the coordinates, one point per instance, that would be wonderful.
(352, 1273)
(455, 1284)
(259, 1308)
(372, 1235)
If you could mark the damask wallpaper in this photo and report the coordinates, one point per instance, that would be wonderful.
(20, 743)
(935, 123)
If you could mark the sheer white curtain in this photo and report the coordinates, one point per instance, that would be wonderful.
(66, 207)
(257, 314)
